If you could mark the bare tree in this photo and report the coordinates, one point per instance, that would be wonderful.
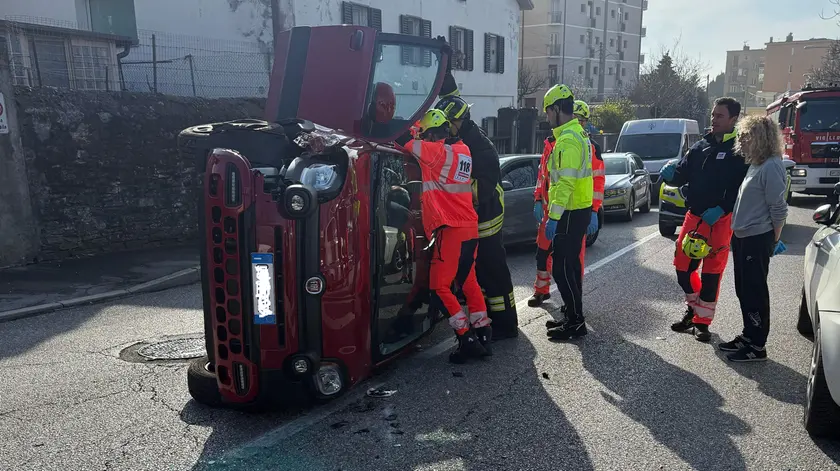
(829, 71)
(580, 89)
(670, 85)
(834, 14)
(530, 81)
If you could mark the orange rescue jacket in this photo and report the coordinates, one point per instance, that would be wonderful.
(598, 176)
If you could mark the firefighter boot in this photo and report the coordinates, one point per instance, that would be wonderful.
(570, 329)
(537, 299)
(686, 323)
(701, 333)
(551, 323)
(468, 347)
(485, 336)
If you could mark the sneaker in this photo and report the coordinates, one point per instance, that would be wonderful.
(551, 323)
(701, 333)
(568, 330)
(485, 336)
(537, 299)
(468, 347)
(748, 354)
(686, 323)
(735, 345)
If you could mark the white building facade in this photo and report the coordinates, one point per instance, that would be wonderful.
(223, 48)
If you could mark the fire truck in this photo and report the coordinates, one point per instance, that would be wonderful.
(810, 123)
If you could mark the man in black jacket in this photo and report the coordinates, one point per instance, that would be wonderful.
(713, 172)
(491, 262)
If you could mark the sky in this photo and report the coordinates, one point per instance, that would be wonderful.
(706, 29)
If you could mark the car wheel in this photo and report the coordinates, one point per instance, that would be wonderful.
(201, 382)
(631, 208)
(804, 324)
(645, 208)
(822, 414)
(666, 230)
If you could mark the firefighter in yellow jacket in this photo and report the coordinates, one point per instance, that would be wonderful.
(570, 206)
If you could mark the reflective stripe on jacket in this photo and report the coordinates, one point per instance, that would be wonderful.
(598, 178)
(570, 170)
(447, 193)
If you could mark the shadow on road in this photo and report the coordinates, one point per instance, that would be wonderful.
(773, 379)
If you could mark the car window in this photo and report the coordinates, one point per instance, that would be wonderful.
(616, 166)
(639, 163)
(521, 175)
(633, 166)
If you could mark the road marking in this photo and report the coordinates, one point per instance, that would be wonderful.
(447, 344)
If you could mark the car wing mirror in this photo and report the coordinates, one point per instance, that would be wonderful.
(837, 188)
(639, 172)
(506, 185)
(823, 215)
(789, 164)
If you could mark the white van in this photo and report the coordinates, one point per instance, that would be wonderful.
(657, 141)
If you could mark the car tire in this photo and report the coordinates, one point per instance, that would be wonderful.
(631, 208)
(645, 208)
(821, 416)
(667, 230)
(201, 382)
(804, 324)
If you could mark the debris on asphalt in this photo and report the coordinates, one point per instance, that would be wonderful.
(545, 375)
(395, 424)
(380, 392)
(339, 424)
(397, 432)
(660, 338)
(391, 417)
(360, 431)
(457, 374)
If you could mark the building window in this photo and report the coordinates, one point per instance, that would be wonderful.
(360, 15)
(494, 54)
(623, 72)
(790, 69)
(90, 67)
(415, 26)
(612, 13)
(580, 69)
(612, 42)
(625, 43)
(626, 16)
(583, 8)
(555, 14)
(530, 103)
(552, 74)
(582, 39)
(598, 11)
(16, 59)
(463, 50)
(595, 70)
(597, 40)
(733, 88)
(610, 71)
(52, 62)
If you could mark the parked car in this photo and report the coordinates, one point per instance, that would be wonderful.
(519, 179)
(627, 185)
(672, 202)
(819, 316)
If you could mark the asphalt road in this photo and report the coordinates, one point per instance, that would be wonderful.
(631, 395)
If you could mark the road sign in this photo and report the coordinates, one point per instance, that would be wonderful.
(4, 124)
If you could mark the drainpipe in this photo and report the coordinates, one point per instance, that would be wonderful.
(120, 57)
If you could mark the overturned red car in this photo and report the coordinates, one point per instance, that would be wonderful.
(313, 268)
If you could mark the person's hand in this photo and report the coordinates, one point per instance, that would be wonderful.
(779, 248)
(550, 228)
(538, 211)
(711, 215)
(667, 171)
(593, 224)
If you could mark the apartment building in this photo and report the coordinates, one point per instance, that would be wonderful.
(592, 45)
(744, 76)
(790, 62)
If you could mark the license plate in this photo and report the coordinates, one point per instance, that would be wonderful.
(262, 271)
(834, 173)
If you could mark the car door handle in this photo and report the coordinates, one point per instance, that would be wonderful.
(818, 243)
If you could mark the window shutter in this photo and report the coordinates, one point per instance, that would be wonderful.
(426, 32)
(468, 45)
(405, 51)
(487, 55)
(501, 52)
(452, 32)
(346, 13)
(375, 19)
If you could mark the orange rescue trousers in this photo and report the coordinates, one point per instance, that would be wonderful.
(701, 292)
(456, 247)
(545, 260)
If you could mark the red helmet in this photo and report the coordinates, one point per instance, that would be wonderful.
(384, 103)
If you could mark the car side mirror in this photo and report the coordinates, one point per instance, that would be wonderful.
(610, 151)
(414, 187)
(789, 164)
(823, 215)
(506, 185)
(837, 188)
(639, 172)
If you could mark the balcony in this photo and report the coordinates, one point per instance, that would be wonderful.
(644, 32)
(554, 50)
(555, 17)
(644, 5)
(641, 58)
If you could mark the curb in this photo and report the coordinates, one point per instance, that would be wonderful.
(180, 278)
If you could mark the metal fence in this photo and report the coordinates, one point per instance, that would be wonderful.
(58, 55)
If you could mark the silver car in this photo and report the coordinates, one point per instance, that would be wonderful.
(627, 185)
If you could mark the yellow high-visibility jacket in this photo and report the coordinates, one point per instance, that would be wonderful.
(570, 170)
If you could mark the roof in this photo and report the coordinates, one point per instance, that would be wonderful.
(60, 31)
(525, 4)
(801, 41)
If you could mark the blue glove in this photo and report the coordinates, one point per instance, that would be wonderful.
(538, 211)
(593, 224)
(550, 229)
(667, 171)
(711, 216)
(780, 248)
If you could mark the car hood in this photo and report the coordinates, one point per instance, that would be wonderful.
(616, 181)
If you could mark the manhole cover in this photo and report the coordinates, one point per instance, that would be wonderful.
(174, 349)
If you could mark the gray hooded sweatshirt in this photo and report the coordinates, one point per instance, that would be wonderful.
(761, 204)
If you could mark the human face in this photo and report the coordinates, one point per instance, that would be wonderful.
(455, 127)
(722, 123)
(582, 121)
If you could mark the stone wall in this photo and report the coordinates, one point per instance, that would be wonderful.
(104, 171)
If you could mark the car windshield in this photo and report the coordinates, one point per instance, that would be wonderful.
(616, 166)
(403, 81)
(651, 146)
(821, 114)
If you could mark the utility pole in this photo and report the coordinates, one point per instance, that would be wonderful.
(602, 63)
(563, 59)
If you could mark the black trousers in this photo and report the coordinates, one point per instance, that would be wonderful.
(493, 275)
(567, 269)
(752, 264)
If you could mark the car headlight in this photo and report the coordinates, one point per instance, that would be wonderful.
(799, 172)
(298, 201)
(615, 192)
(321, 177)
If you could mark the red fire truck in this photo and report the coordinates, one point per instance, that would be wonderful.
(313, 268)
(810, 123)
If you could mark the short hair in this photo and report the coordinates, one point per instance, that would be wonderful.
(731, 105)
(566, 105)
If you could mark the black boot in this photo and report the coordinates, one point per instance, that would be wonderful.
(485, 336)
(537, 299)
(686, 323)
(551, 323)
(701, 333)
(568, 330)
(468, 347)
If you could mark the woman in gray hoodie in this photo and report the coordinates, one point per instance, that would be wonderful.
(757, 222)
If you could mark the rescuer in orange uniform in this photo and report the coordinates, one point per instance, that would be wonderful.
(451, 223)
(542, 284)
